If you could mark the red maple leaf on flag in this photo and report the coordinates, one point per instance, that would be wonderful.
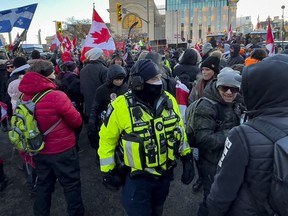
(101, 37)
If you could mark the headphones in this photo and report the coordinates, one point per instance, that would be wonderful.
(136, 82)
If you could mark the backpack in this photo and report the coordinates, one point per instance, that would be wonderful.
(24, 133)
(189, 117)
(278, 197)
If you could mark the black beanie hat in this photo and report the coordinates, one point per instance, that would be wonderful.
(146, 69)
(35, 54)
(19, 61)
(211, 62)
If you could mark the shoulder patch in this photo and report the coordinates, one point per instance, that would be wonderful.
(108, 114)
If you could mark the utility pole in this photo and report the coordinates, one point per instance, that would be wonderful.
(177, 29)
(283, 29)
(148, 19)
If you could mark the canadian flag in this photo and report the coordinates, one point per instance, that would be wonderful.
(182, 93)
(74, 42)
(230, 33)
(148, 47)
(258, 26)
(197, 47)
(67, 44)
(270, 40)
(98, 36)
(56, 42)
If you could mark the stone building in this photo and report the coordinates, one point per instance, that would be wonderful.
(150, 20)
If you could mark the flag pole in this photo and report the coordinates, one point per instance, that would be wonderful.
(10, 37)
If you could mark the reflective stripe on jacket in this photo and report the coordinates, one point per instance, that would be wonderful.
(148, 141)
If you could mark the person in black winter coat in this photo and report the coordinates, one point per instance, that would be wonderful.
(92, 75)
(106, 93)
(187, 69)
(235, 57)
(213, 118)
(6, 70)
(242, 184)
(69, 82)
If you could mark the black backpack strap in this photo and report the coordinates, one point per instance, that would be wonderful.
(220, 113)
(269, 130)
(40, 95)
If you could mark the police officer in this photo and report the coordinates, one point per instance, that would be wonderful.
(145, 130)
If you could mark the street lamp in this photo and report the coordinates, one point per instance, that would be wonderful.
(283, 7)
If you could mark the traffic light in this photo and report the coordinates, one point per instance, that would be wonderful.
(119, 12)
(59, 27)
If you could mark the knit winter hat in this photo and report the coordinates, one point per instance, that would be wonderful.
(211, 62)
(229, 77)
(68, 66)
(146, 69)
(35, 54)
(19, 61)
(42, 67)
(94, 53)
(206, 48)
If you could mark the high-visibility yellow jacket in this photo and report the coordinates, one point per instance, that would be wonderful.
(149, 141)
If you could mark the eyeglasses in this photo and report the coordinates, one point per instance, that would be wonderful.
(9, 67)
(226, 88)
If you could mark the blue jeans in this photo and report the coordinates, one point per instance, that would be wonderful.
(144, 195)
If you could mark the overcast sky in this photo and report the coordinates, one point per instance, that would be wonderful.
(50, 10)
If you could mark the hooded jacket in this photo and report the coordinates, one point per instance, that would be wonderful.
(187, 69)
(242, 183)
(210, 136)
(52, 107)
(105, 94)
(235, 57)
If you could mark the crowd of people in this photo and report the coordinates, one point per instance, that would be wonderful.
(130, 107)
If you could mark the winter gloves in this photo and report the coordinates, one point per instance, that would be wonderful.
(188, 169)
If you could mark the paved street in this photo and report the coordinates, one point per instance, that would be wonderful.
(15, 200)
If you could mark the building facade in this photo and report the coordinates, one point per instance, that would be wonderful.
(150, 23)
(194, 19)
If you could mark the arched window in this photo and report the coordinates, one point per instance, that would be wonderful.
(130, 19)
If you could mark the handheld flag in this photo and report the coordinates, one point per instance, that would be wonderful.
(56, 42)
(270, 40)
(16, 17)
(182, 93)
(98, 36)
(230, 33)
(258, 26)
(67, 44)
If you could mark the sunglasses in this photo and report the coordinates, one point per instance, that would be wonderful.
(9, 67)
(226, 88)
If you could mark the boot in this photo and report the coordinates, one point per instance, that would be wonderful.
(198, 183)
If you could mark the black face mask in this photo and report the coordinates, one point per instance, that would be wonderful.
(149, 93)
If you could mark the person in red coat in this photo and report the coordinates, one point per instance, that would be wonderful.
(59, 158)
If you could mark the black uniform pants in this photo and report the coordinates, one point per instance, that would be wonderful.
(145, 195)
(65, 168)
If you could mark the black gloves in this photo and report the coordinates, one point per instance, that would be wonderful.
(93, 135)
(188, 169)
(112, 180)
